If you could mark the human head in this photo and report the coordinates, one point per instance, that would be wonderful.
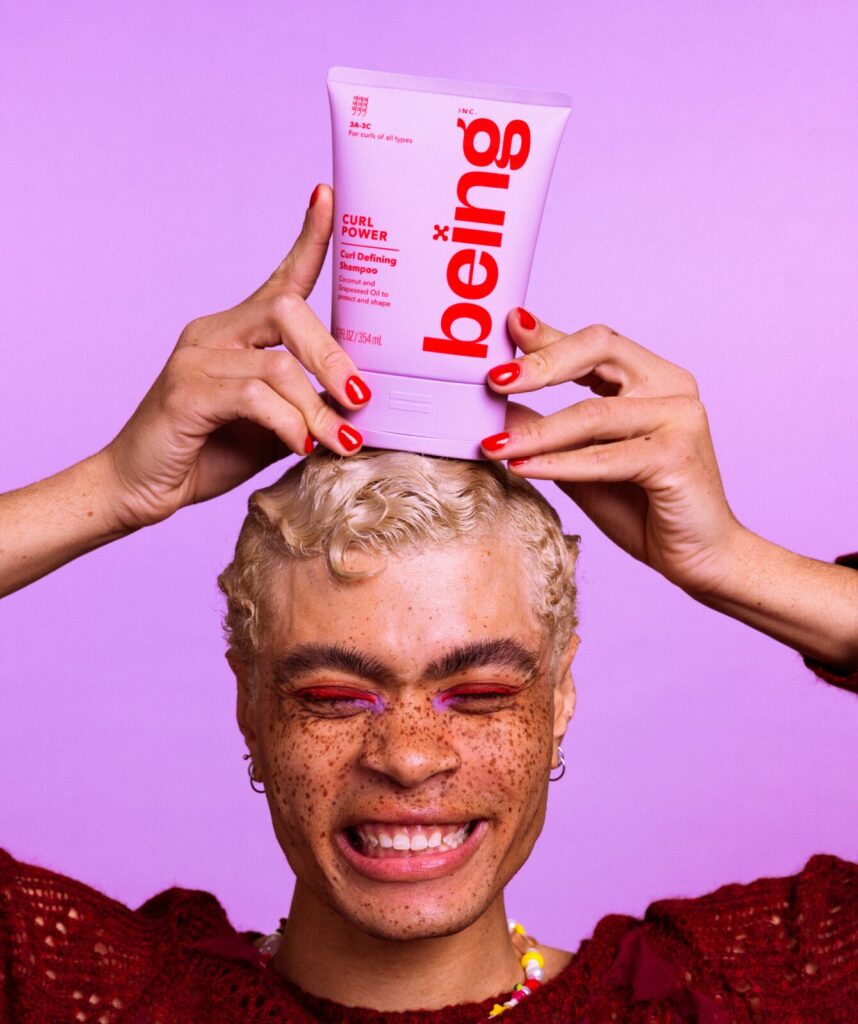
(397, 559)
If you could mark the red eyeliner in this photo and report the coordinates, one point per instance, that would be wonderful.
(477, 690)
(336, 693)
(465, 691)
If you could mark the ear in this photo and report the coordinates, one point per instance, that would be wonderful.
(564, 695)
(244, 699)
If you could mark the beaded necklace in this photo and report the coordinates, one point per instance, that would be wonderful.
(534, 968)
(531, 961)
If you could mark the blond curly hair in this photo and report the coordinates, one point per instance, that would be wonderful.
(383, 502)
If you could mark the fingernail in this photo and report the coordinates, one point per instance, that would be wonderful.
(506, 373)
(525, 319)
(315, 195)
(349, 438)
(495, 442)
(308, 445)
(358, 390)
(517, 462)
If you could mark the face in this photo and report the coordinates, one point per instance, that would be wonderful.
(404, 726)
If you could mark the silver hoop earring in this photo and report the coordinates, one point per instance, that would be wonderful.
(562, 766)
(253, 780)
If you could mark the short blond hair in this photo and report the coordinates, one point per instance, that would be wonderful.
(387, 502)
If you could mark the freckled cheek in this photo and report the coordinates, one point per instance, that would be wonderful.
(307, 774)
(506, 757)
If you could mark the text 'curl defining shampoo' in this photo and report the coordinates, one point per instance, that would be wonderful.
(439, 188)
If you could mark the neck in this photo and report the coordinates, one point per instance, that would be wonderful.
(328, 956)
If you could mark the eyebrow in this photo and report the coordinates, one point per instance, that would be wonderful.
(502, 653)
(311, 657)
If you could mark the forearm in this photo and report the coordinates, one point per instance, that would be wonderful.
(52, 522)
(811, 606)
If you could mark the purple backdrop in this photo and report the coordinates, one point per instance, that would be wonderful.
(156, 161)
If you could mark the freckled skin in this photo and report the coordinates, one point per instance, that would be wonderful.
(412, 751)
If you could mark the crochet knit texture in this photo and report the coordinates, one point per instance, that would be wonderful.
(779, 950)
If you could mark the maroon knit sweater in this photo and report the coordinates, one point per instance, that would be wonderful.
(776, 951)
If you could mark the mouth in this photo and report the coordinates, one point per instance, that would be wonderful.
(396, 852)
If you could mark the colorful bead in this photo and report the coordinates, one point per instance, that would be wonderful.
(533, 963)
(532, 956)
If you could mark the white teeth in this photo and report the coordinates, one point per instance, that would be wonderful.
(410, 838)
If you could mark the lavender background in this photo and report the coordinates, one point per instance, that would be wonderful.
(156, 161)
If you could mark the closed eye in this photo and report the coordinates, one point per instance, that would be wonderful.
(477, 696)
(336, 701)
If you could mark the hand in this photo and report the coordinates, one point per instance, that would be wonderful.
(228, 403)
(638, 460)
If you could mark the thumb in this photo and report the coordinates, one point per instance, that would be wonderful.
(298, 272)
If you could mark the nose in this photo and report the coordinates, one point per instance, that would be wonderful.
(409, 745)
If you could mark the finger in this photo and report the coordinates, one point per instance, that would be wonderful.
(518, 416)
(282, 372)
(270, 320)
(629, 461)
(226, 400)
(304, 335)
(592, 421)
(593, 355)
(617, 507)
(299, 271)
(222, 401)
(596, 357)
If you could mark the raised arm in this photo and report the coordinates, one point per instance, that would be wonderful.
(229, 402)
(639, 461)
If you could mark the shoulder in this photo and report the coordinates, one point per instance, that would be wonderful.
(59, 937)
(777, 948)
(771, 945)
(826, 883)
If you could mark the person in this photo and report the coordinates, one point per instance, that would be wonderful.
(402, 630)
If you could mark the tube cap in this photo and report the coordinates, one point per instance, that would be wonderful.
(432, 417)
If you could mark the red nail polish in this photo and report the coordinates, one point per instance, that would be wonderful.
(506, 373)
(308, 445)
(517, 462)
(525, 319)
(315, 195)
(358, 390)
(349, 438)
(495, 442)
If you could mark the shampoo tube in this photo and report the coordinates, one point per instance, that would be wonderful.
(439, 188)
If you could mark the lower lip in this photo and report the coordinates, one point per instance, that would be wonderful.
(420, 867)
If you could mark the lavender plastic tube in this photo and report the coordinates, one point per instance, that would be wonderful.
(439, 190)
